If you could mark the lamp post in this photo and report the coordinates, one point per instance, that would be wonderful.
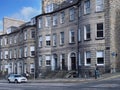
(113, 66)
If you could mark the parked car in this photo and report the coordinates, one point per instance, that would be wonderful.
(16, 78)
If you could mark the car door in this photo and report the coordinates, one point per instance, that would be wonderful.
(12, 78)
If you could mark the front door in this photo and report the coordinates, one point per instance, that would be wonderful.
(63, 64)
(55, 63)
(73, 63)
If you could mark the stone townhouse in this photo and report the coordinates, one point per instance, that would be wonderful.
(17, 47)
(77, 35)
(69, 35)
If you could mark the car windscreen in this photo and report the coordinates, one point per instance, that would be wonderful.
(17, 76)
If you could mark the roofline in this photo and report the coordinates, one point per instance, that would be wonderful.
(59, 9)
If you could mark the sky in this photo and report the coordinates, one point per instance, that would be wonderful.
(19, 9)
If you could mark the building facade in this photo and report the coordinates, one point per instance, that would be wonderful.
(70, 35)
(17, 49)
(79, 35)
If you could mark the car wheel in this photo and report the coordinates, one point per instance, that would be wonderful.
(16, 81)
(9, 81)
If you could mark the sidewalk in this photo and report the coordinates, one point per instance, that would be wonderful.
(71, 80)
(75, 80)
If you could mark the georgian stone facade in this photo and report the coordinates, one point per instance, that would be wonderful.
(92, 24)
(74, 36)
(17, 49)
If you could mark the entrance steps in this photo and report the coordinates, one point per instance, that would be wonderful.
(71, 74)
(59, 74)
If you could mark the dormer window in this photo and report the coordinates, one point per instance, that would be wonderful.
(33, 21)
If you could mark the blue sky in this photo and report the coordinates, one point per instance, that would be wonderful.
(19, 9)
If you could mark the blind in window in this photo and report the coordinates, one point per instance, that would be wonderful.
(100, 54)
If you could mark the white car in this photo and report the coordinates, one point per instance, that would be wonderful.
(16, 78)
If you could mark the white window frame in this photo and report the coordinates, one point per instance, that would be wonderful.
(20, 52)
(6, 54)
(15, 53)
(71, 36)
(55, 20)
(48, 58)
(40, 41)
(54, 40)
(86, 32)
(47, 21)
(25, 35)
(100, 55)
(25, 51)
(48, 39)
(32, 49)
(62, 17)
(102, 30)
(10, 39)
(72, 14)
(62, 38)
(32, 66)
(15, 39)
(62, 58)
(40, 22)
(87, 7)
(99, 5)
(6, 40)
(87, 56)
(40, 60)
(49, 8)
(10, 54)
(32, 33)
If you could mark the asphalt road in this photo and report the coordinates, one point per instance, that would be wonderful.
(108, 84)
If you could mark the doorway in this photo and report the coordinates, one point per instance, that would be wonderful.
(73, 61)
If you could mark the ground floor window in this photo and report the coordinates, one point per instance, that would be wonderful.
(48, 60)
(32, 68)
(100, 57)
(87, 58)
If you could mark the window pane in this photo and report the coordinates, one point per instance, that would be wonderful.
(87, 32)
(99, 5)
(100, 54)
(48, 60)
(48, 38)
(61, 37)
(62, 18)
(100, 30)
(100, 57)
(32, 34)
(100, 60)
(88, 57)
(72, 14)
(100, 34)
(54, 40)
(87, 7)
(54, 20)
(40, 23)
(48, 21)
(100, 26)
(88, 61)
(72, 36)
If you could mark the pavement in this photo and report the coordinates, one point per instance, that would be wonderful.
(76, 80)
(71, 80)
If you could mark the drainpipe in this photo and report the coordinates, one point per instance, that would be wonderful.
(78, 44)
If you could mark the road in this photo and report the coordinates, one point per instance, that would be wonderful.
(108, 84)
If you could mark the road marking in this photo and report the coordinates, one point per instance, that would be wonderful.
(107, 85)
(5, 88)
